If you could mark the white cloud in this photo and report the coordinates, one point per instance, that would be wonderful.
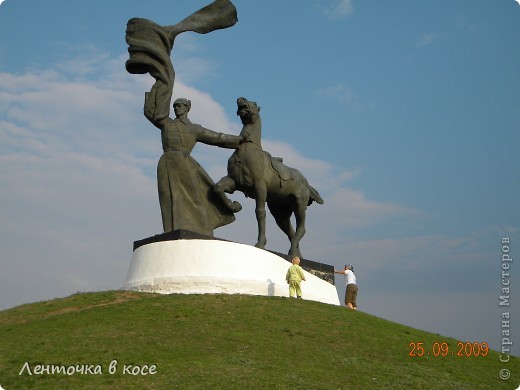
(426, 39)
(338, 92)
(339, 9)
(344, 8)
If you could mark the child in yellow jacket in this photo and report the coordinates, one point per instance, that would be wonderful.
(294, 277)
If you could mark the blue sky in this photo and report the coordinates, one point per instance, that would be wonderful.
(402, 114)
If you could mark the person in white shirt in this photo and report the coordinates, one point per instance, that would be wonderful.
(352, 289)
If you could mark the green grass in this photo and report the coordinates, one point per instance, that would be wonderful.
(227, 342)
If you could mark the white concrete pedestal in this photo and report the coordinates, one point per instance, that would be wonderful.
(217, 267)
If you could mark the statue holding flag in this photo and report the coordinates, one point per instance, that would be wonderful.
(185, 190)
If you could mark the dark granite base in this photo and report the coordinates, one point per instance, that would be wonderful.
(175, 235)
(322, 271)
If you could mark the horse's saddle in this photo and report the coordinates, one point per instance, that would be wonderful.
(284, 172)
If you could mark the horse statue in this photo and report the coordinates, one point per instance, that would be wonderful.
(264, 178)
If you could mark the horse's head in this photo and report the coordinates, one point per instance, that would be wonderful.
(248, 111)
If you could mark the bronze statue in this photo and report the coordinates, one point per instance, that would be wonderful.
(264, 178)
(185, 189)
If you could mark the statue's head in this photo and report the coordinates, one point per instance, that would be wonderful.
(182, 101)
(247, 110)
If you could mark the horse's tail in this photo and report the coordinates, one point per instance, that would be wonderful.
(314, 196)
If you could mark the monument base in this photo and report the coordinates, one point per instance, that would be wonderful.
(205, 266)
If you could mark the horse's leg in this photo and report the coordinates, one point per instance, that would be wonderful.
(260, 197)
(282, 216)
(299, 213)
(227, 184)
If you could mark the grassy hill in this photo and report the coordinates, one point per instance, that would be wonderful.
(225, 342)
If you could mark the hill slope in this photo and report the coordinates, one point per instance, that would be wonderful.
(225, 341)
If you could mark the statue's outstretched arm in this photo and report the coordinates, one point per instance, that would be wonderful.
(222, 140)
